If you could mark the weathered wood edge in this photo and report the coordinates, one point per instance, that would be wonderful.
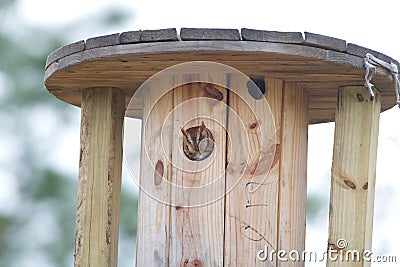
(207, 46)
(164, 35)
(76, 53)
(193, 34)
(360, 51)
(64, 51)
(130, 37)
(159, 35)
(102, 41)
(272, 36)
(323, 41)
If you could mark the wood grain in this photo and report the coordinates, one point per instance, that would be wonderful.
(99, 184)
(353, 172)
(272, 36)
(252, 205)
(155, 173)
(65, 51)
(193, 34)
(102, 41)
(293, 171)
(130, 37)
(162, 35)
(323, 41)
(197, 220)
(361, 51)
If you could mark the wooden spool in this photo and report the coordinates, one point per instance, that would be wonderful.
(310, 79)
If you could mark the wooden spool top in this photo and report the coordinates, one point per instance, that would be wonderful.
(321, 64)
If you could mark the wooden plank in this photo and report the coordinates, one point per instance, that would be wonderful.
(130, 37)
(293, 171)
(65, 51)
(252, 205)
(323, 41)
(192, 34)
(99, 184)
(272, 36)
(155, 173)
(353, 173)
(159, 35)
(101, 41)
(361, 51)
(197, 220)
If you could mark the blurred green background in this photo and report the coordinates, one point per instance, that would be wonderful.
(37, 228)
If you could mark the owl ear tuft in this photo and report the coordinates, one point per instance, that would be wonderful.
(200, 130)
(185, 134)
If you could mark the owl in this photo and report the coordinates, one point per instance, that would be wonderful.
(198, 142)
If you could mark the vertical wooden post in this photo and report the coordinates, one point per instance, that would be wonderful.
(251, 215)
(99, 184)
(197, 230)
(155, 172)
(178, 223)
(353, 174)
(273, 217)
(293, 172)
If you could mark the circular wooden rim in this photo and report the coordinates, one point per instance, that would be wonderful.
(318, 63)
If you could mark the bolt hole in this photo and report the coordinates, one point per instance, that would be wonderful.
(256, 87)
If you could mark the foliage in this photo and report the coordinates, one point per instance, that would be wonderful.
(37, 226)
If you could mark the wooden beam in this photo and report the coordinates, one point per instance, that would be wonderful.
(353, 173)
(181, 205)
(197, 218)
(99, 184)
(293, 172)
(252, 204)
(155, 175)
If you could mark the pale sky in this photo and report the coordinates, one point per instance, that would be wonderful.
(373, 24)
